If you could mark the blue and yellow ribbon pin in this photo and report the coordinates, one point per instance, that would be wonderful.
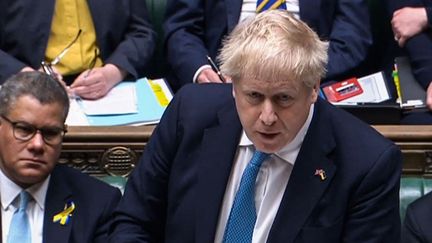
(64, 216)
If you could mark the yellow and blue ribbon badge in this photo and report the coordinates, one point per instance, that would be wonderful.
(64, 216)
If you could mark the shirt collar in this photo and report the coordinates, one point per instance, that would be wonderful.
(290, 151)
(9, 191)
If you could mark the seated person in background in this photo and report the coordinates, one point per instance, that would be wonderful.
(196, 28)
(317, 173)
(411, 25)
(42, 201)
(410, 21)
(92, 45)
(418, 221)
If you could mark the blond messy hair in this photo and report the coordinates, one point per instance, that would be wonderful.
(274, 46)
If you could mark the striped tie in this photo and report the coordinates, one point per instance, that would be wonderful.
(263, 5)
(241, 221)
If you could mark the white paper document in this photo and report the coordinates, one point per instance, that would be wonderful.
(120, 100)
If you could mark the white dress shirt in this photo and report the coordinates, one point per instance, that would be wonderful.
(271, 182)
(9, 194)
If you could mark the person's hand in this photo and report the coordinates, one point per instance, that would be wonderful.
(95, 83)
(207, 75)
(408, 22)
(429, 96)
(53, 72)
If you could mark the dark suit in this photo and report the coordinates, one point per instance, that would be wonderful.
(175, 193)
(94, 203)
(419, 47)
(123, 33)
(418, 221)
(195, 28)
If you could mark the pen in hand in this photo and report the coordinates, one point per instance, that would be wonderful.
(216, 69)
(92, 64)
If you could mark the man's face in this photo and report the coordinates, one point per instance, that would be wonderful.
(29, 162)
(272, 113)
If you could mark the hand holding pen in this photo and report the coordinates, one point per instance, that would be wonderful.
(216, 69)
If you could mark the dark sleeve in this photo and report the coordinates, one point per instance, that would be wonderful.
(141, 214)
(137, 46)
(184, 37)
(350, 37)
(419, 49)
(9, 65)
(373, 215)
(411, 232)
(106, 218)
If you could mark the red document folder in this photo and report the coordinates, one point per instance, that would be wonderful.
(342, 90)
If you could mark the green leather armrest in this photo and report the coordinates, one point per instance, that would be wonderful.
(116, 181)
(412, 188)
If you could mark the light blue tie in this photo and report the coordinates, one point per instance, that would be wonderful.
(242, 218)
(19, 229)
(263, 5)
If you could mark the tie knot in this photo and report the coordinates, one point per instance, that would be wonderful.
(24, 199)
(258, 158)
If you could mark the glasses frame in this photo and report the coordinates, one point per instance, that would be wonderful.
(66, 49)
(35, 129)
(47, 66)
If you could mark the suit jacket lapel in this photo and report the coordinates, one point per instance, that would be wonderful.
(57, 196)
(233, 8)
(304, 188)
(218, 147)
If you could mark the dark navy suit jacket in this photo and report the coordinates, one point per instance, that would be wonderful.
(195, 28)
(123, 33)
(94, 203)
(418, 221)
(419, 47)
(176, 191)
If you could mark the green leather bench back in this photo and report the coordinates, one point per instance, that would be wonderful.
(411, 189)
(156, 11)
(115, 181)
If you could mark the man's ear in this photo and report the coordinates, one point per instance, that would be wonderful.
(315, 92)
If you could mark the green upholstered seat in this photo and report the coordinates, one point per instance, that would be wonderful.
(116, 181)
(411, 189)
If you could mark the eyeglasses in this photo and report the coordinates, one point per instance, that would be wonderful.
(47, 66)
(64, 51)
(24, 132)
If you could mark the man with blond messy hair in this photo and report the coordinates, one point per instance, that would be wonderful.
(316, 173)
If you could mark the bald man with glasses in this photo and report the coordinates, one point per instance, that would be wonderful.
(40, 200)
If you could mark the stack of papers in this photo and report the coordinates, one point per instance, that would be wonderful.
(130, 102)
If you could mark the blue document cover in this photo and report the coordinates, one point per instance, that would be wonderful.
(149, 109)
